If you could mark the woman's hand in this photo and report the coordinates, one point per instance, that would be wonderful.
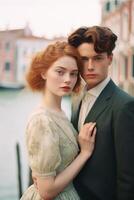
(86, 138)
(50, 187)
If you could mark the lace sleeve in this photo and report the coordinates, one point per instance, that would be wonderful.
(43, 146)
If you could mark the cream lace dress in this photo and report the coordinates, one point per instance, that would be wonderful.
(51, 144)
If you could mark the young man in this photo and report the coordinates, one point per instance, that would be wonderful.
(109, 174)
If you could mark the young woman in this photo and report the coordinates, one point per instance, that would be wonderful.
(50, 137)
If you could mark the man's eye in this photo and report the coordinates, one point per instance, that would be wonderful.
(84, 58)
(98, 58)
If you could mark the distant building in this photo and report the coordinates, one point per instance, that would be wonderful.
(119, 16)
(25, 48)
(16, 50)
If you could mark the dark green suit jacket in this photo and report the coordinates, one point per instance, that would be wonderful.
(109, 173)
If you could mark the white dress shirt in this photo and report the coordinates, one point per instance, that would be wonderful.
(89, 100)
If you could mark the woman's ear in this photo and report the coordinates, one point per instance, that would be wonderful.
(43, 75)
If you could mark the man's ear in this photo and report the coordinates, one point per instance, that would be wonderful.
(110, 59)
(43, 75)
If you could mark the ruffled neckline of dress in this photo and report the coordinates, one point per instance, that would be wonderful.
(56, 113)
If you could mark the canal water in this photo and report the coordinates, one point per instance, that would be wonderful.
(15, 106)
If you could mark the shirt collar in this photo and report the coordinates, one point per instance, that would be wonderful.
(98, 89)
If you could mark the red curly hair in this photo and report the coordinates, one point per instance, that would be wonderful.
(43, 60)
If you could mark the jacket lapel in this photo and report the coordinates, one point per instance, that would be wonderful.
(101, 103)
(76, 100)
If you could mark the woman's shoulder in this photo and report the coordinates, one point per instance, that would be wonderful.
(39, 116)
(41, 123)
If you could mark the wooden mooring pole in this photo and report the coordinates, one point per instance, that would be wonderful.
(19, 170)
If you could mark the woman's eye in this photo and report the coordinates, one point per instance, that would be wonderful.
(60, 72)
(74, 74)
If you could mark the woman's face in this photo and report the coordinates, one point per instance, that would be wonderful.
(62, 76)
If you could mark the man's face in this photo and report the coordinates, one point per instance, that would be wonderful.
(95, 65)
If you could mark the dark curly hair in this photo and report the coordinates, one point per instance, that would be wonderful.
(102, 38)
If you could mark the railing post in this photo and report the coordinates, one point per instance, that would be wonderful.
(19, 170)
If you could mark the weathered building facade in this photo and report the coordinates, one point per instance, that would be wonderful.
(119, 16)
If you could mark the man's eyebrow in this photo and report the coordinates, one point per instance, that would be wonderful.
(87, 57)
(98, 55)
